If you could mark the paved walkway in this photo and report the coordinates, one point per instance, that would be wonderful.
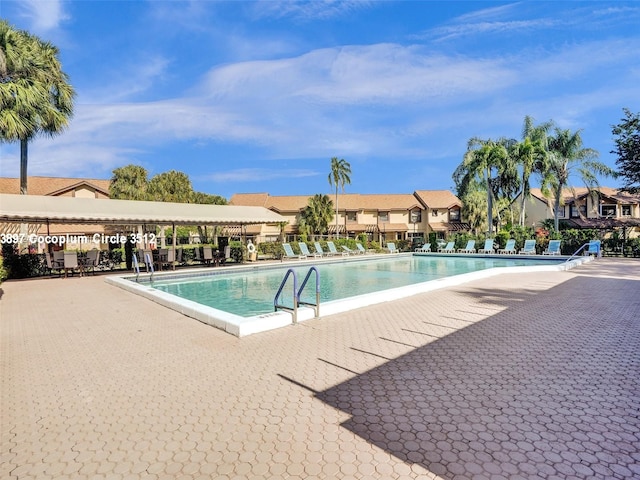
(519, 376)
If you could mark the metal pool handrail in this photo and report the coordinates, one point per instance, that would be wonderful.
(277, 306)
(304, 283)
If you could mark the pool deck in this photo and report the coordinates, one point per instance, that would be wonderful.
(533, 375)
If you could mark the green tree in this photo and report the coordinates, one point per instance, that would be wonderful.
(35, 96)
(315, 217)
(487, 165)
(566, 155)
(207, 199)
(530, 154)
(340, 176)
(130, 182)
(171, 186)
(627, 140)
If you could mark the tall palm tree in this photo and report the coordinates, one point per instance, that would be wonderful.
(486, 163)
(340, 176)
(531, 155)
(566, 153)
(171, 186)
(35, 96)
(317, 214)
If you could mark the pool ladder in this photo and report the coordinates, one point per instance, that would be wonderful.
(297, 293)
(136, 265)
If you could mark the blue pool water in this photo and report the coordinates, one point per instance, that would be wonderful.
(251, 292)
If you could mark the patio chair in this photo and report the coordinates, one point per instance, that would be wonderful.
(91, 261)
(349, 251)
(70, 263)
(53, 265)
(207, 255)
(391, 246)
(448, 248)
(553, 248)
(360, 248)
(529, 248)
(488, 247)
(509, 248)
(304, 249)
(319, 250)
(594, 248)
(470, 248)
(288, 252)
(334, 251)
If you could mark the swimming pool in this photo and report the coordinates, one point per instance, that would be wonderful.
(239, 300)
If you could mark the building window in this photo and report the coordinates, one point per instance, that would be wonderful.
(383, 216)
(608, 210)
(351, 216)
(576, 211)
(416, 216)
(626, 210)
(454, 215)
(434, 213)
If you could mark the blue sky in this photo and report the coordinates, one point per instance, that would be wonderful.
(258, 96)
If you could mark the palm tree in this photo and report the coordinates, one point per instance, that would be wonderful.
(565, 154)
(315, 217)
(531, 155)
(339, 176)
(35, 96)
(482, 159)
(171, 186)
(129, 183)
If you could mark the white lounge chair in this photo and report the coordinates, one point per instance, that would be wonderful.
(349, 251)
(553, 248)
(488, 247)
(334, 251)
(509, 248)
(288, 252)
(319, 249)
(392, 247)
(360, 248)
(470, 248)
(424, 248)
(448, 248)
(529, 248)
(305, 250)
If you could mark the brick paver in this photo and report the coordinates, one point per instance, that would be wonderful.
(518, 376)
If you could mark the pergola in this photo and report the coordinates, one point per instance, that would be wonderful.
(39, 210)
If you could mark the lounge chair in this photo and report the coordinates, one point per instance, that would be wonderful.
(319, 250)
(288, 252)
(349, 251)
(392, 247)
(594, 248)
(509, 248)
(529, 248)
(448, 248)
(424, 248)
(305, 250)
(470, 248)
(360, 248)
(334, 251)
(488, 247)
(553, 248)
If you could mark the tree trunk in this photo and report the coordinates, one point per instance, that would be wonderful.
(337, 228)
(23, 166)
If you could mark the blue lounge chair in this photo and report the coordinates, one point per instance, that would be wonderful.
(594, 248)
(349, 251)
(360, 248)
(553, 248)
(288, 252)
(488, 246)
(391, 246)
(509, 248)
(529, 248)
(470, 248)
(305, 250)
(334, 251)
(448, 248)
(319, 250)
(424, 248)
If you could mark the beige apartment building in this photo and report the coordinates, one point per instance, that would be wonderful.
(381, 217)
(606, 209)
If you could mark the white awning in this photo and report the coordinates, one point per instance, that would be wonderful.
(71, 210)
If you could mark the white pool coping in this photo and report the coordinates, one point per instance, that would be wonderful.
(243, 326)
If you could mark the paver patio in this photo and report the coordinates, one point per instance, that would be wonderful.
(519, 376)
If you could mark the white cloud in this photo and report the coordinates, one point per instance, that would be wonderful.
(44, 15)
(258, 175)
(313, 10)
